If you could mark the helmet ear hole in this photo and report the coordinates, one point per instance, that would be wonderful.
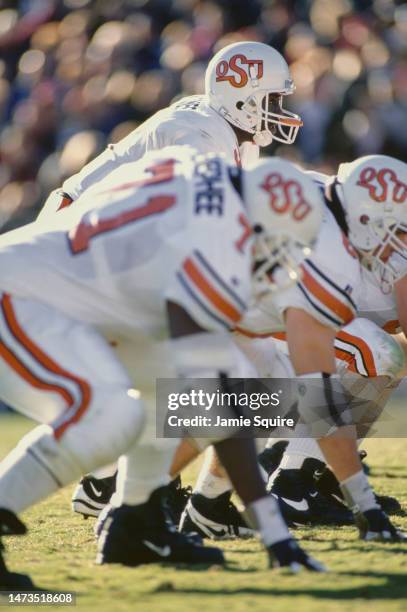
(257, 229)
(239, 105)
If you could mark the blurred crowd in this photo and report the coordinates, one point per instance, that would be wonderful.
(77, 74)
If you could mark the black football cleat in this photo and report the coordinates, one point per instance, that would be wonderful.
(92, 495)
(327, 484)
(301, 503)
(375, 525)
(217, 518)
(270, 458)
(288, 553)
(176, 498)
(10, 524)
(134, 535)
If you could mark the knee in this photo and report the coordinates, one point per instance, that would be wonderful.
(381, 348)
(109, 429)
(389, 356)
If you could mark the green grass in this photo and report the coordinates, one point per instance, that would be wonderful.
(60, 549)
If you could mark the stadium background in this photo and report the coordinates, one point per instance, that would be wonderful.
(77, 74)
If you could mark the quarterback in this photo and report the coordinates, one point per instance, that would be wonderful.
(245, 84)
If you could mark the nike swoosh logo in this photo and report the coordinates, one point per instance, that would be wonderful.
(301, 506)
(162, 551)
(95, 491)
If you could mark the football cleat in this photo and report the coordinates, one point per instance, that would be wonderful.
(375, 525)
(327, 484)
(176, 498)
(270, 458)
(10, 524)
(216, 518)
(134, 535)
(92, 494)
(301, 503)
(288, 553)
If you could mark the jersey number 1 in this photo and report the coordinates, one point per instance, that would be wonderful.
(80, 236)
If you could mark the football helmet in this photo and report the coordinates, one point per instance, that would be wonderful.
(373, 194)
(245, 83)
(285, 209)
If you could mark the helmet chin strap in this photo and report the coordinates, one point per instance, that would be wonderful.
(263, 139)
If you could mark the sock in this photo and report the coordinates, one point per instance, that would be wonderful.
(141, 471)
(299, 449)
(264, 515)
(24, 480)
(211, 486)
(106, 472)
(358, 493)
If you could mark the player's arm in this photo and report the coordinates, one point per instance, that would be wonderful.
(130, 148)
(311, 348)
(311, 344)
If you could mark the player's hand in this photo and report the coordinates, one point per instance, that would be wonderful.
(288, 553)
(375, 525)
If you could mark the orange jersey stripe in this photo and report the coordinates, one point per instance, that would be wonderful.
(29, 377)
(250, 334)
(363, 348)
(326, 298)
(66, 201)
(216, 299)
(49, 364)
(348, 358)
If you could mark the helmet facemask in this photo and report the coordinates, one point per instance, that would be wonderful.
(385, 233)
(277, 261)
(269, 121)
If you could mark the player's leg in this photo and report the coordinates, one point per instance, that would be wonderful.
(121, 537)
(379, 362)
(64, 374)
(136, 527)
(210, 510)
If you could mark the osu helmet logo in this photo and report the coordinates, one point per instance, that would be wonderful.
(238, 69)
(286, 196)
(383, 184)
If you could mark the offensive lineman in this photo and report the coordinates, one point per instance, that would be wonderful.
(143, 256)
(369, 359)
(323, 301)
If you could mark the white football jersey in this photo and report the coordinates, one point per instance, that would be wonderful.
(190, 121)
(328, 289)
(371, 302)
(164, 228)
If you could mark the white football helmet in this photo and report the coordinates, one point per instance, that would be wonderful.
(373, 193)
(285, 208)
(245, 83)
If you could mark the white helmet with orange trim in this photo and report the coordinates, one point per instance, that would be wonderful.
(285, 208)
(245, 83)
(373, 193)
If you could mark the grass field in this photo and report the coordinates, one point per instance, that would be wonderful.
(60, 549)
